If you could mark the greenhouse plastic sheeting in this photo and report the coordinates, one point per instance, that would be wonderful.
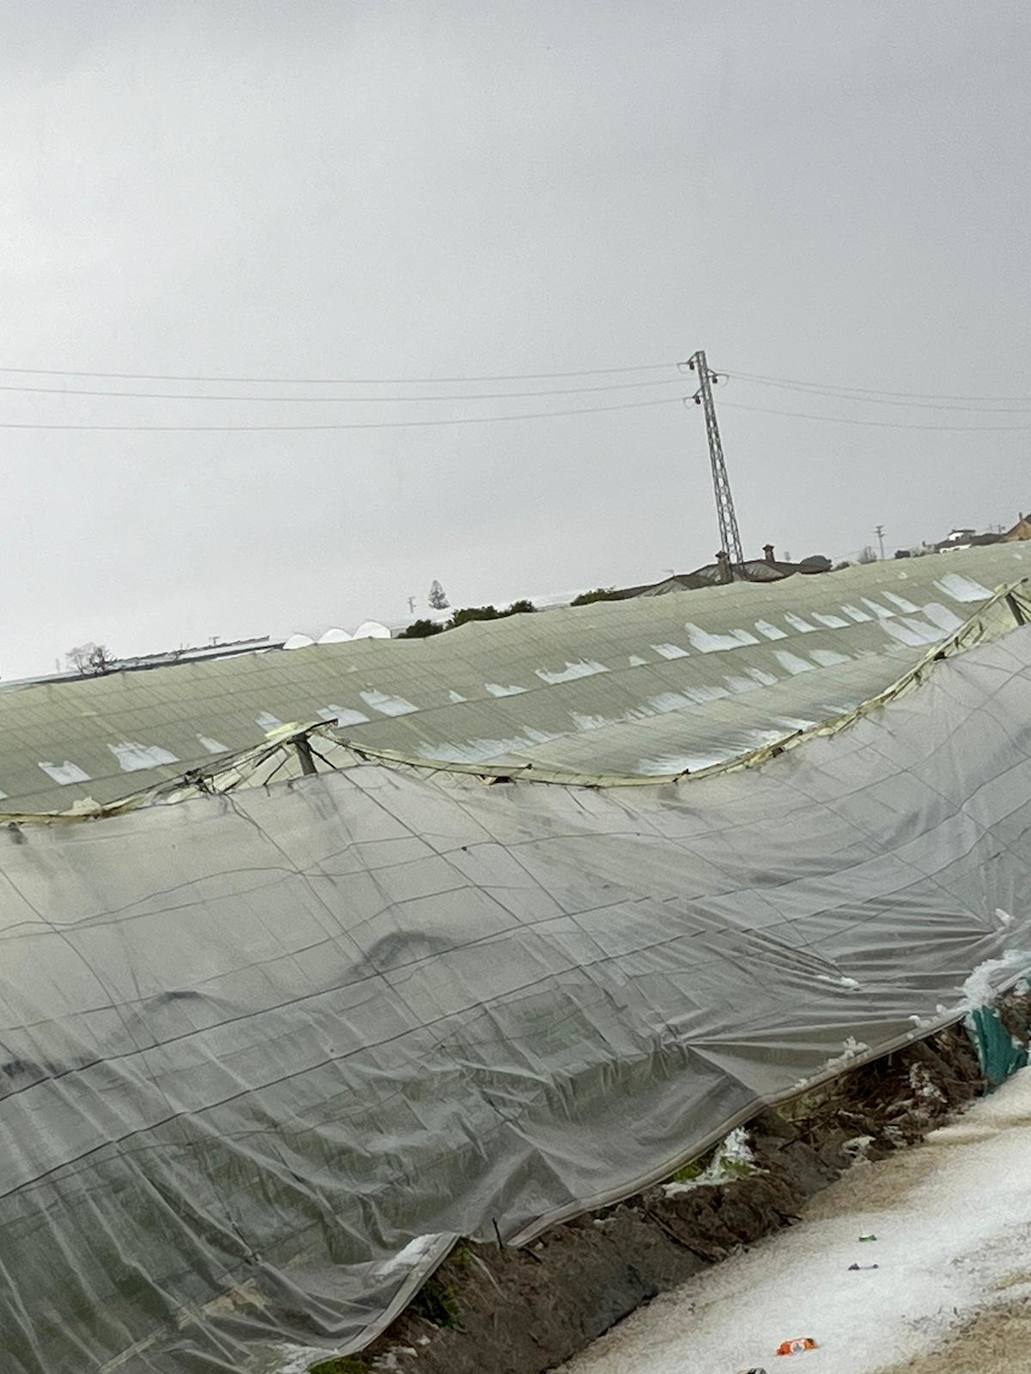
(641, 687)
(267, 1054)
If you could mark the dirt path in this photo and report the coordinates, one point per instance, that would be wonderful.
(953, 1224)
(997, 1341)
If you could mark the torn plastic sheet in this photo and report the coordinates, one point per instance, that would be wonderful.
(266, 1053)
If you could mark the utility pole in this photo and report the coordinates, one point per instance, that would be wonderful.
(730, 535)
(879, 531)
(411, 605)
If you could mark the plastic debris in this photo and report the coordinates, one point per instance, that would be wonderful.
(796, 1346)
(864, 1266)
(868, 1235)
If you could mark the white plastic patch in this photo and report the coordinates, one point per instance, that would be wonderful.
(582, 668)
(763, 678)
(828, 658)
(584, 722)
(268, 721)
(133, 757)
(65, 773)
(833, 622)
(942, 617)
(211, 745)
(793, 663)
(913, 632)
(761, 739)
(670, 650)
(385, 704)
(342, 715)
(854, 613)
(962, 588)
(480, 750)
(497, 690)
(707, 691)
(707, 643)
(679, 763)
(881, 612)
(770, 631)
(669, 701)
(797, 623)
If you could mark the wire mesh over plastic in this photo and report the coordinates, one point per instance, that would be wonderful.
(267, 1053)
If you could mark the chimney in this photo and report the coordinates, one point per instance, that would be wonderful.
(768, 553)
(725, 573)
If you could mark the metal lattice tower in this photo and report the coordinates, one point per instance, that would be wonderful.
(730, 535)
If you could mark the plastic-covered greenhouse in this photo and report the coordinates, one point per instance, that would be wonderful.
(292, 999)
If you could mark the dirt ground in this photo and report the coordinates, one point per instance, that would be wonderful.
(997, 1341)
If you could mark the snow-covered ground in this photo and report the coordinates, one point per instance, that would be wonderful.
(952, 1219)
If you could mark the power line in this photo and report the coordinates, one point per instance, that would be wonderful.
(334, 381)
(358, 424)
(879, 424)
(887, 399)
(799, 383)
(341, 400)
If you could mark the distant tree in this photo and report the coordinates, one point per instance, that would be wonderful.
(522, 607)
(838, 567)
(437, 597)
(421, 629)
(598, 594)
(90, 658)
(867, 556)
(468, 613)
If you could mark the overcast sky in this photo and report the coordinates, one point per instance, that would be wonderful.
(837, 193)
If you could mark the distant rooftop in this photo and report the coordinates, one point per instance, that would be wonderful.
(766, 569)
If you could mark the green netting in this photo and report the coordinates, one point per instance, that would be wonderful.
(1000, 1055)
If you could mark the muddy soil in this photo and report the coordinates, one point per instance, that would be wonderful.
(997, 1341)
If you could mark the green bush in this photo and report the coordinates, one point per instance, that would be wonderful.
(599, 594)
(468, 613)
(421, 629)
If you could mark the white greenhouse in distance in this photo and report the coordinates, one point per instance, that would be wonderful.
(368, 629)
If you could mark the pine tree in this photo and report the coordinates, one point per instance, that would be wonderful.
(438, 598)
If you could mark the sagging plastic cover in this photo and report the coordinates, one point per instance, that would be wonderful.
(265, 1054)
